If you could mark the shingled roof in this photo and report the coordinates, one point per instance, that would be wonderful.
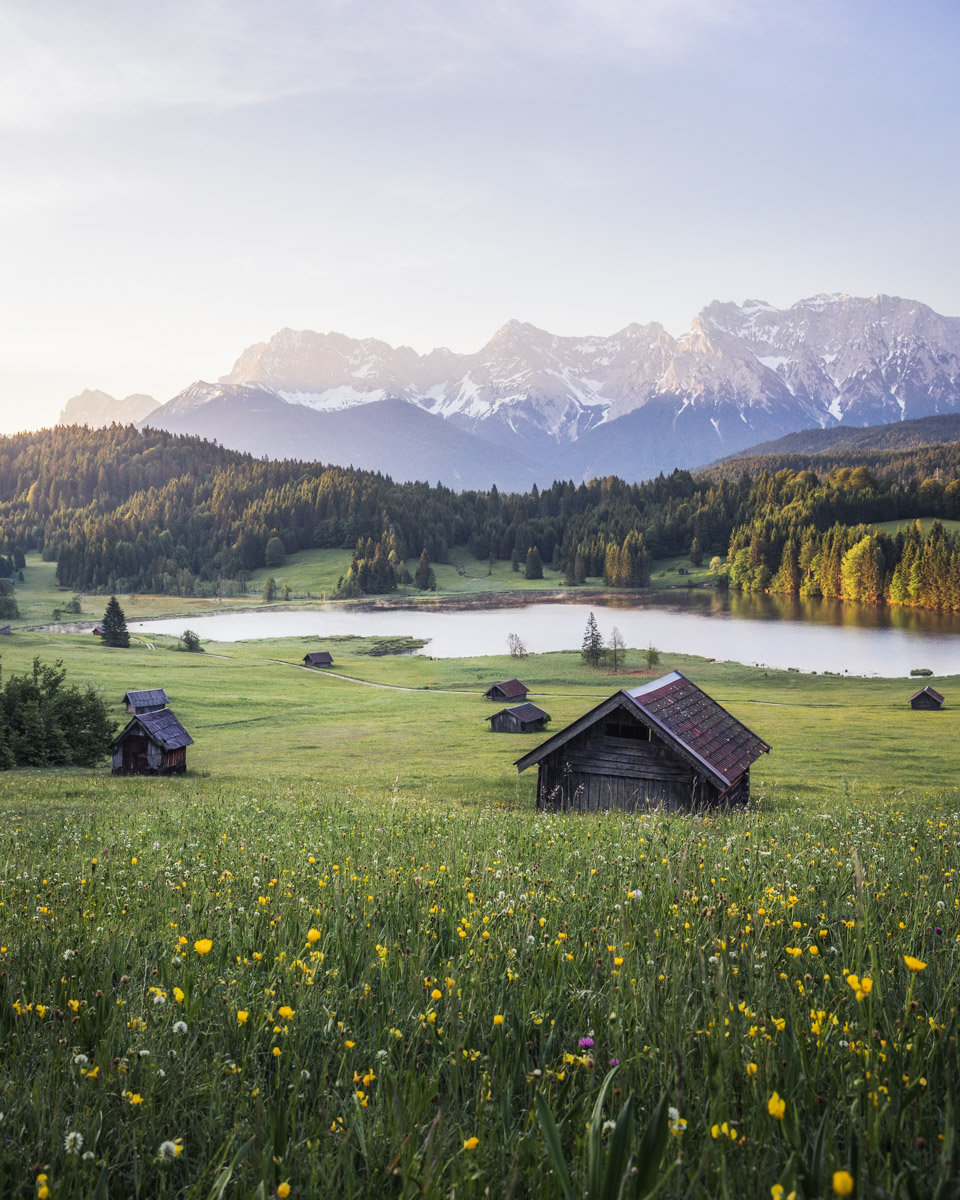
(163, 727)
(924, 691)
(512, 689)
(146, 698)
(699, 728)
(523, 712)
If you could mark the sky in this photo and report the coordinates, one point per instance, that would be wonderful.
(181, 180)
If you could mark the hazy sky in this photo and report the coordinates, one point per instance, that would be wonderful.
(182, 179)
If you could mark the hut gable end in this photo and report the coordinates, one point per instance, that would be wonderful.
(665, 744)
(927, 698)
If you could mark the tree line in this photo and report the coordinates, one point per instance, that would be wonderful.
(125, 510)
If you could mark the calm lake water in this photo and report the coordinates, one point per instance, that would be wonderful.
(811, 635)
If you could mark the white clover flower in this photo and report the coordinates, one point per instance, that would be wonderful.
(608, 1126)
(143, 1053)
(80, 1060)
(88, 1156)
(73, 1142)
(158, 999)
(179, 1027)
(68, 954)
(673, 1113)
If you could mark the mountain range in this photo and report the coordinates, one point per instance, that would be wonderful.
(531, 406)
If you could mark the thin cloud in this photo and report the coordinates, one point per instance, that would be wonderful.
(60, 60)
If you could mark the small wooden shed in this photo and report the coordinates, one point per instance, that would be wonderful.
(507, 689)
(151, 700)
(522, 718)
(664, 745)
(319, 658)
(927, 698)
(97, 631)
(152, 743)
(5, 629)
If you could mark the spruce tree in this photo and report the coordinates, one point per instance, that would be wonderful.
(425, 579)
(592, 648)
(534, 568)
(114, 626)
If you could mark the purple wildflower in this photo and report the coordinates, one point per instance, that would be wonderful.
(614, 1062)
(585, 1043)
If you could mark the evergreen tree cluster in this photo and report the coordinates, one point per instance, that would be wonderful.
(127, 510)
(45, 723)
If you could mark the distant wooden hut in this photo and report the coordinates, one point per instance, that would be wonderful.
(97, 631)
(151, 700)
(926, 698)
(682, 571)
(507, 689)
(666, 744)
(319, 658)
(522, 718)
(153, 743)
(4, 630)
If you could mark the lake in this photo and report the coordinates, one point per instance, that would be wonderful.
(773, 631)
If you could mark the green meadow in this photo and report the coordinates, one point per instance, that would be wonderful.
(344, 956)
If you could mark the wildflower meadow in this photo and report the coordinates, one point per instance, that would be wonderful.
(224, 988)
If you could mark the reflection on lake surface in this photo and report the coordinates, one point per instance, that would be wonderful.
(775, 631)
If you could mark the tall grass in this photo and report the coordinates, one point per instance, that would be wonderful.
(475, 972)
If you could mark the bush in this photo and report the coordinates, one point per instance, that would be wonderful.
(921, 671)
(190, 642)
(43, 723)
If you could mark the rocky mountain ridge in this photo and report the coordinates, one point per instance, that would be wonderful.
(632, 403)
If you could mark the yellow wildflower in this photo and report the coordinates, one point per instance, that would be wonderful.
(203, 946)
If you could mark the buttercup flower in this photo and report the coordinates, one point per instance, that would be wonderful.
(203, 946)
(471, 1143)
(776, 1107)
(842, 1183)
(914, 964)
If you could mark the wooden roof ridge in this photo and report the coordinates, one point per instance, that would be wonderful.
(147, 696)
(162, 726)
(927, 690)
(528, 711)
(639, 700)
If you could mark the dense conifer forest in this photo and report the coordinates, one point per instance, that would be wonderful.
(123, 510)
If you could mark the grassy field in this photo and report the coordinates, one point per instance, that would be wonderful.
(893, 527)
(415, 986)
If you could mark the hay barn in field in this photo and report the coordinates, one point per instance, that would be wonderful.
(507, 689)
(152, 743)
(151, 700)
(666, 745)
(926, 698)
(522, 718)
(318, 658)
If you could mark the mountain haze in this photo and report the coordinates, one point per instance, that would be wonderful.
(531, 405)
(96, 408)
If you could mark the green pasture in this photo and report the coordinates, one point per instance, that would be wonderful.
(415, 985)
(894, 527)
(251, 708)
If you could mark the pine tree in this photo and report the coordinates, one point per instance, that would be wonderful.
(425, 579)
(269, 589)
(534, 568)
(114, 626)
(592, 649)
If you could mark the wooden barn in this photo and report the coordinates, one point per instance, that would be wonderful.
(151, 700)
(319, 658)
(666, 744)
(507, 689)
(153, 743)
(926, 698)
(522, 718)
(97, 631)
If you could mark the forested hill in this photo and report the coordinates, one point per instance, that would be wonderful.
(849, 445)
(124, 510)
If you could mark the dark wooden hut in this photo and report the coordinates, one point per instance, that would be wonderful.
(927, 698)
(153, 743)
(666, 744)
(97, 631)
(507, 689)
(522, 718)
(151, 700)
(5, 629)
(319, 658)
